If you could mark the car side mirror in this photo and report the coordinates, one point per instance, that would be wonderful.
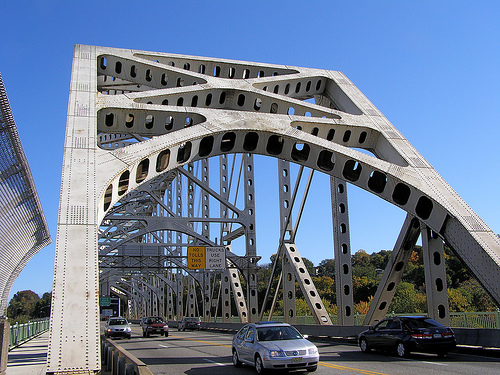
(371, 328)
(249, 339)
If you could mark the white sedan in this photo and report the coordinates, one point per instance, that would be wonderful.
(273, 345)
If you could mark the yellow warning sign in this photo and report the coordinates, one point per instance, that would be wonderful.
(196, 257)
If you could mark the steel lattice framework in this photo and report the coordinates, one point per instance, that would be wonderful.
(22, 222)
(149, 133)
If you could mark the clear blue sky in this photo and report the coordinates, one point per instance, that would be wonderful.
(432, 68)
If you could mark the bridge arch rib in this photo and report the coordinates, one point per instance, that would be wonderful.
(154, 113)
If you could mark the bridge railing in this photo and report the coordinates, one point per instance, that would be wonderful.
(20, 333)
(488, 320)
(476, 320)
(116, 360)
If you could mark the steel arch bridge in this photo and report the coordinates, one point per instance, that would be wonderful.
(159, 157)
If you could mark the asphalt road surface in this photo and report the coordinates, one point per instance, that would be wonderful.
(208, 353)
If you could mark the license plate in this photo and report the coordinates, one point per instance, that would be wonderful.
(297, 360)
(436, 335)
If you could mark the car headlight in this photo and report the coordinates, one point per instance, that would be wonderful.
(312, 351)
(276, 353)
(127, 329)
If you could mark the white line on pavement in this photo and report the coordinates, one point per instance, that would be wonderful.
(218, 364)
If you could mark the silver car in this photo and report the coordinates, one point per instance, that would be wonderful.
(117, 327)
(273, 345)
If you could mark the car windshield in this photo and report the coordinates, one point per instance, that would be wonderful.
(155, 320)
(423, 323)
(277, 333)
(117, 322)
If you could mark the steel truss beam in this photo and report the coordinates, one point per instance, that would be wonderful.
(342, 250)
(296, 264)
(136, 115)
(131, 221)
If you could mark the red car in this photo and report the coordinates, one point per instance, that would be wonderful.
(154, 324)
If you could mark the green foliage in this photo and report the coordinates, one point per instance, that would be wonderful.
(301, 307)
(464, 293)
(408, 300)
(327, 268)
(364, 288)
(42, 306)
(27, 305)
(326, 287)
(476, 297)
(457, 301)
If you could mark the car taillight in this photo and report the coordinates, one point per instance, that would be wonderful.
(448, 334)
(421, 335)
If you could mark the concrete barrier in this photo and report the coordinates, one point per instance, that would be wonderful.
(485, 338)
(117, 361)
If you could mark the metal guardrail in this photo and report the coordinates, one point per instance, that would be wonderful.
(476, 320)
(488, 320)
(20, 333)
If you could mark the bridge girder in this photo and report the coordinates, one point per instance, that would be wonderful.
(154, 113)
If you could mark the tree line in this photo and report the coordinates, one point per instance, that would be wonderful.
(26, 305)
(464, 292)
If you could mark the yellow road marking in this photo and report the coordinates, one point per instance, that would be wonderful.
(338, 367)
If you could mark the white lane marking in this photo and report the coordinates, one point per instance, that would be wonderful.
(163, 346)
(217, 363)
(435, 363)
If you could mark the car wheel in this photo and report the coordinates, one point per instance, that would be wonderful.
(259, 366)
(363, 345)
(236, 360)
(166, 334)
(147, 334)
(401, 350)
(312, 369)
(143, 333)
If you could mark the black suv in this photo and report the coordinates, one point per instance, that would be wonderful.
(405, 334)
